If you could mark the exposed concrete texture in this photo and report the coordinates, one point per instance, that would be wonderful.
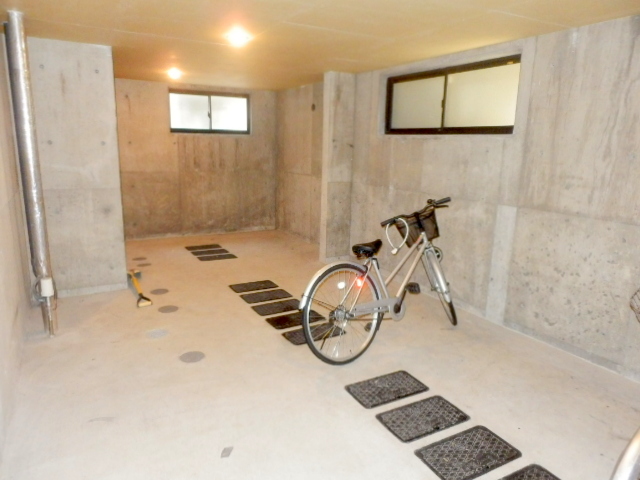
(77, 141)
(118, 402)
(582, 143)
(300, 127)
(571, 280)
(174, 184)
(397, 174)
(15, 281)
(337, 161)
(542, 231)
(578, 228)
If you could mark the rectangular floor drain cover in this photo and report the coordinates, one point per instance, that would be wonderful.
(216, 257)
(532, 472)
(215, 251)
(467, 455)
(252, 286)
(277, 307)
(385, 389)
(259, 297)
(422, 418)
(203, 247)
(297, 336)
(292, 320)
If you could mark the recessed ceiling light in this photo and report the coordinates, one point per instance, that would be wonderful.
(174, 73)
(238, 37)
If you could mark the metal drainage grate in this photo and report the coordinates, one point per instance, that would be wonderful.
(215, 251)
(292, 320)
(467, 455)
(276, 307)
(216, 257)
(252, 286)
(258, 297)
(203, 247)
(422, 418)
(532, 472)
(297, 336)
(385, 389)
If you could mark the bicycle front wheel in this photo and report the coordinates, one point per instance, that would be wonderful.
(343, 335)
(439, 284)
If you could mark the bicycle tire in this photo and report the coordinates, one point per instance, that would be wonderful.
(338, 339)
(439, 284)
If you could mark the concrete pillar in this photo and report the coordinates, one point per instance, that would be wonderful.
(337, 160)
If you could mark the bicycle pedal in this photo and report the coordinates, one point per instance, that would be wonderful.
(413, 287)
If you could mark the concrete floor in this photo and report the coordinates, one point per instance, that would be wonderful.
(109, 398)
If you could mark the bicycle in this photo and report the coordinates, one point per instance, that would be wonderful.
(352, 298)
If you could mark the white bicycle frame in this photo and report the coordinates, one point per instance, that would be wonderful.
(385, 303)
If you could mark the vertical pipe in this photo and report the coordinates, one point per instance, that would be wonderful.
(628, 467)
(20, 80)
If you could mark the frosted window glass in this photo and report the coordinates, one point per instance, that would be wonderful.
(482, 98)
(229, 113)
(189, 111)
(418, 103)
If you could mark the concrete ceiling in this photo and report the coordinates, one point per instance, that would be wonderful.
(296, 40)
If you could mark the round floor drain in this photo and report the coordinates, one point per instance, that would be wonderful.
(143, 265)
(168, 309)
(191, 357)
(159, 291)
(139, 259)
(157, 333)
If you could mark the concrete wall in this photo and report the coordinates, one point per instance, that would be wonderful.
(300, 112)
(337, 164)
(191, 183)
(74, 104)
(300, 160)
(543, 233)
(15, 309)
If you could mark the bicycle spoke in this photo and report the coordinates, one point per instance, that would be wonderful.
(328, 306)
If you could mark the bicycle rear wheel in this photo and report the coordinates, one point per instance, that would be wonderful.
(341, 337)
(439, 284)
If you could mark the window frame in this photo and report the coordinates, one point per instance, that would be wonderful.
(209, 95)
(445, 72)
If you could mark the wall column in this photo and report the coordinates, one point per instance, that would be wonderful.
(337, 160)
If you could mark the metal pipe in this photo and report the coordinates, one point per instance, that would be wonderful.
(20, 80)
(628, 466)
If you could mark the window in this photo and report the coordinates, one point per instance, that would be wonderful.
(474, 98)
(209, 113)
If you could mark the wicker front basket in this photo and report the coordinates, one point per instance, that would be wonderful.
(429, 223)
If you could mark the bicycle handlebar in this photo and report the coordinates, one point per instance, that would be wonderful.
(434, 203)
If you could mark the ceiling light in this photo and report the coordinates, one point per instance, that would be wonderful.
(174, 73)
(238, 37)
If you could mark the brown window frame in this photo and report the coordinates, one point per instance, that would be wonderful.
(209, 95)
(444, 72)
